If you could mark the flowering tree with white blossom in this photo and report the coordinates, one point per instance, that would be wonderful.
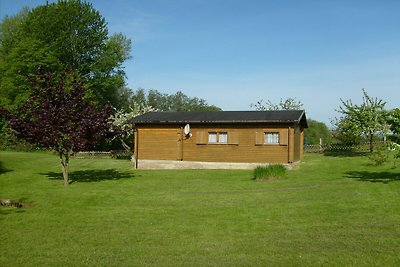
(122, 127)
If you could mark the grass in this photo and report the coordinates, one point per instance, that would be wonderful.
(269, 173)
(329, 211)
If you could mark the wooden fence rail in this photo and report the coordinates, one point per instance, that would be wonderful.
(120, 154)
(364, 147)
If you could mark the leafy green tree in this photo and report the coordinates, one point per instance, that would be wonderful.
(22, 61)
(67, 35)
(317, 130)
(346, 132)
(170, 102)
(284, 104)
(394, 122)
(368, 119)
(139, 98)
(10, 28)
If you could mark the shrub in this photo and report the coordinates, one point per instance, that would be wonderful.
(269, 173)
(8, 141)
(380, 156)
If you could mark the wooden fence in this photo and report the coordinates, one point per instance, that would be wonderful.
(120, 154)
(359, 148)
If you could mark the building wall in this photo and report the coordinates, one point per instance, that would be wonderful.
(245, 143)
(301, 143)
(296, 145)
(157, 143)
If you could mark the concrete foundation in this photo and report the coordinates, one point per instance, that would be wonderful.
(173, 165)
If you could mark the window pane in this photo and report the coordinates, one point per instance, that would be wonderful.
(212, 137)
(266, 138)
(271, 138)
(275, 138)
(223, 138)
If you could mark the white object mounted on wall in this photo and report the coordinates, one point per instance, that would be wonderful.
(186, 131)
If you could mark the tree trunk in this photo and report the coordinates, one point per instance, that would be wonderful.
(126, 147)
(371, 145)
(64, 159)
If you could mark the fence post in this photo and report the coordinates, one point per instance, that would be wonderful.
(320, 145)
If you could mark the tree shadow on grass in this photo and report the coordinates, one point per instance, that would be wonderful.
(9, 210)
(374, 177)
(2, 169)
(343, 154)
(91, 175)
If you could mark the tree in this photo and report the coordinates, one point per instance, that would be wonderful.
(346, 132)
(317, 130)
(394, 122)
(284, 104)
(9, 87)
(57, 116)
(367, 119)
(67, 35)
(122, 127)
(170, 102)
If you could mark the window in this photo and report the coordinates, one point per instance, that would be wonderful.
(212, 137)
(218, 137)
(271, 138)
(223, 138)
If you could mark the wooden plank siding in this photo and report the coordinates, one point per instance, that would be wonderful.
(296, 146)
(301, 144)
(245, 143)
(158, 143)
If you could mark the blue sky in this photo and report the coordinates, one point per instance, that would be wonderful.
(233, 53)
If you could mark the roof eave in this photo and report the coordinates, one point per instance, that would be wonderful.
(215, 122)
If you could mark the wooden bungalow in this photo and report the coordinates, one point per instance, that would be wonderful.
(258, 137)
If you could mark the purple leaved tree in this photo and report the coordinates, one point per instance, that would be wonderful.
(58, 116)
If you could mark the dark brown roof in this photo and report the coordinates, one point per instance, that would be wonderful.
(271, 116)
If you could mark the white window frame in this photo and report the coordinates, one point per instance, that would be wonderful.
(271, 138)
(222, 137)
(212, 137)
(218, 137)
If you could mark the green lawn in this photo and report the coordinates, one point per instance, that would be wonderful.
(329, 211)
